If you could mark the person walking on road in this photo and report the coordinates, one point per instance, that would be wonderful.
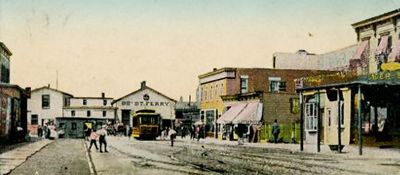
(102, 139)
(129, 132)
(275, 131)
(172, 135)
(93, 140)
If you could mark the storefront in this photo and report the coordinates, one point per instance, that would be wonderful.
(365, 107)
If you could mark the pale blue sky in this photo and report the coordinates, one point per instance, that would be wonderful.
(110, 46)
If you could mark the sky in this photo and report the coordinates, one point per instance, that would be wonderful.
(111, 46)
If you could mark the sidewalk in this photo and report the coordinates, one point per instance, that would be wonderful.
(348, 150)
(11, 159)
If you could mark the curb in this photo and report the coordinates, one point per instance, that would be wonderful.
(89, 159)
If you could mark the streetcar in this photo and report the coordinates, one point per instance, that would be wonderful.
(146, 124)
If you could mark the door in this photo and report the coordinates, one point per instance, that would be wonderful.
(126, 116)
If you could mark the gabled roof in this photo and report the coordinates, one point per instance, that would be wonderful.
(46, 87)
(141, 89)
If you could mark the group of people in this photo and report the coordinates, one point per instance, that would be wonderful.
(48, 131)
(100, 135)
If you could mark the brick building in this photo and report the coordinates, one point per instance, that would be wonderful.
(250, 97)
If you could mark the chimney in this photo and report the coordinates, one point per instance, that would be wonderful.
(214, 69)
(103, 95)
(48, 85)
(143, 85)
(28, 91)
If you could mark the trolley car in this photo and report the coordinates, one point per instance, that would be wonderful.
(146, 124)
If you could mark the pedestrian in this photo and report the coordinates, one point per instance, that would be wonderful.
(45, 130)
(129, 132)
(192, 132)
(172, 135)
(275, 131)
(93, 139)
(102, 138)
(40, 131)
(88, 131)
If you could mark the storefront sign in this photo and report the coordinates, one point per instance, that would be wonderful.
(144, 103)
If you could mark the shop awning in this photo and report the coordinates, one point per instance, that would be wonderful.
(232, 113)
(395, 54)
(383, 45)
(251, 114)
(362, 47)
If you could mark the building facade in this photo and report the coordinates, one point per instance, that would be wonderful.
(145, 98)
(45, 105)
(266, 95)
(86, 112)
(13, 103)
(363, 100)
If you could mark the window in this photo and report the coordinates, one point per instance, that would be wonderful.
(201, 93)
(104, 102)
(282, 86)
(34, 119)
(104, 113)
(341, 114)
(46, 101)
(61, 125)
(216, 91)
(311, 120)
(244, 82)
(221, 89)
(329, 116)
(84, 102)
(88, 113)
(67, 101)
(73, 126)
(5, 74)
(205, 93)
(73, 113)
(276, 84)
(211, 92)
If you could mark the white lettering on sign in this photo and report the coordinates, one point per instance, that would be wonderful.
(144, 103)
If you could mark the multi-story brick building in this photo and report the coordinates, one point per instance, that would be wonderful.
(13, 102)
(266, 95)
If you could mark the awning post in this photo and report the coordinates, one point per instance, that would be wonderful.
(339, 122)
(359, 121)
(318, 123)
(301, 122)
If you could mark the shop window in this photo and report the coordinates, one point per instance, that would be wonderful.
(73, 113)
(244, 83)
(311, 120)
(61, 125)
(46, 101)
(34, 119)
